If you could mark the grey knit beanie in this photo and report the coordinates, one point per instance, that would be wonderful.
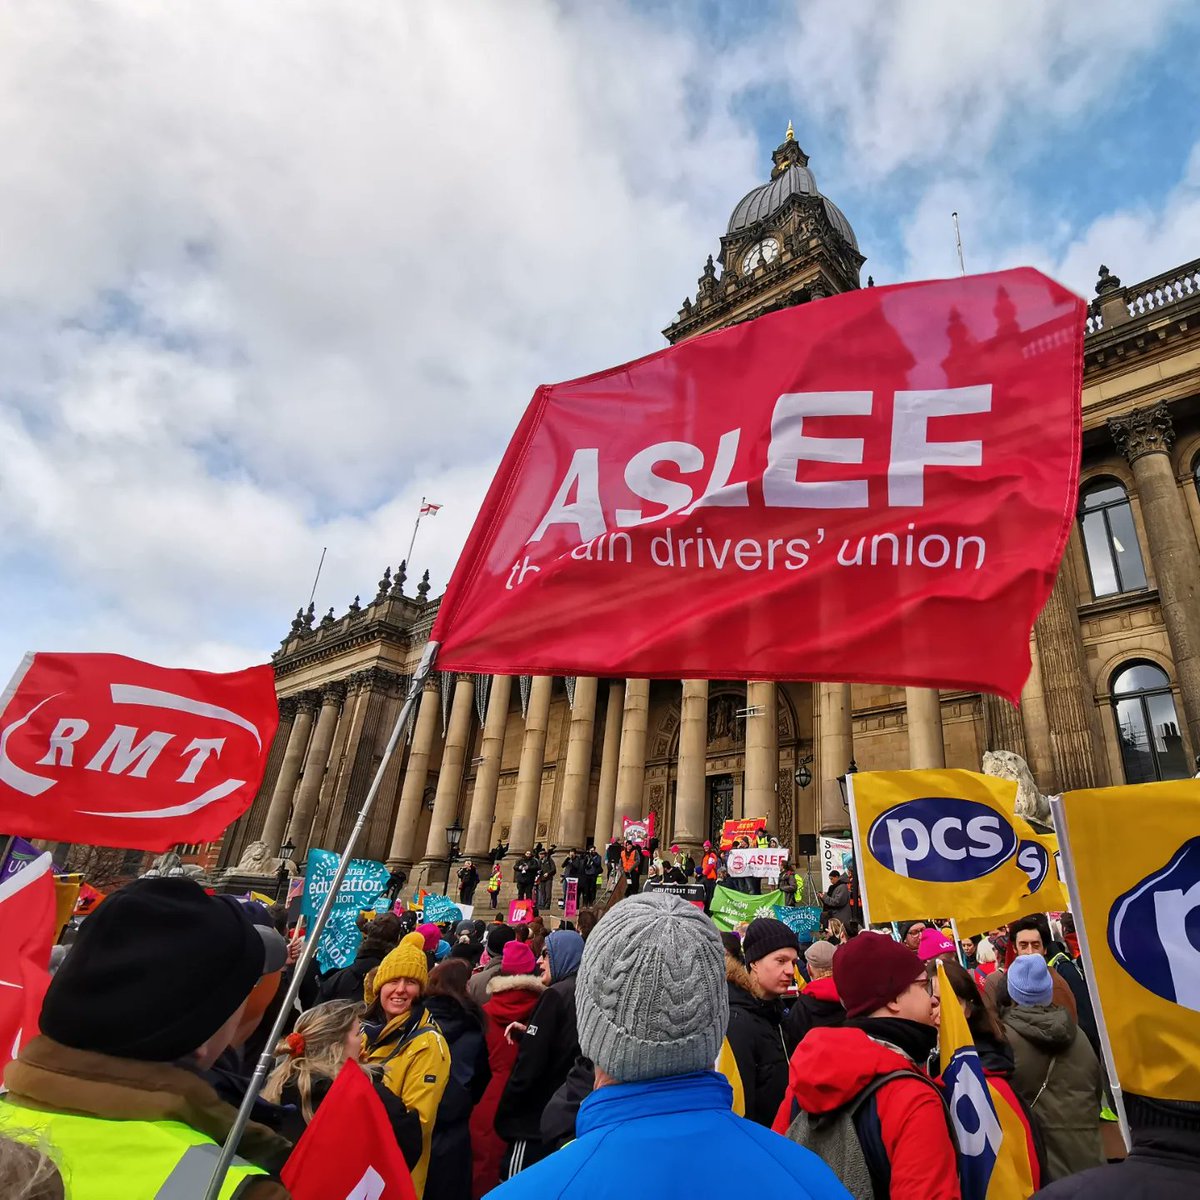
(651, 997)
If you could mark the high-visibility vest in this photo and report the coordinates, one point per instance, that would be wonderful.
(101, 1159)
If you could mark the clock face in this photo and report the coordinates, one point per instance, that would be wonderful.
(761, 252)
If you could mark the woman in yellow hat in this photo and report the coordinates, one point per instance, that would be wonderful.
(409, 1047)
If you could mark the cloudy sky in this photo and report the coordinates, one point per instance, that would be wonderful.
(272, 271)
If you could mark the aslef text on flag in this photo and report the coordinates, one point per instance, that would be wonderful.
(848, 490)
(111, 751)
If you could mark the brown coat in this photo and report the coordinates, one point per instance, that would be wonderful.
(56, 1078)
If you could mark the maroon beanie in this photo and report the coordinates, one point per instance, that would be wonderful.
(871, 970)
(517, 959)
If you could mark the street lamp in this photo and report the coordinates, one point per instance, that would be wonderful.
(803, 776)
(281, 874)
(453, 837)
(852, 769)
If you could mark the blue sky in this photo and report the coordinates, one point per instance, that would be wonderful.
(273, 272)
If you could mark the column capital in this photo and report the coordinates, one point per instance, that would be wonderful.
(379, 679)
(333, 692)
(1145, 431)
(288, 706)
(307, 702)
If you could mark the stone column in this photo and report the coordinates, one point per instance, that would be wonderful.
(926, 748)
(606, 801)
(1075, 738)
(1003, 726)
(762, 754)
(631, 768)
(332, 695)
(1145, 438)
(836, 752)
(533, 759)
(690, 825)
(289, 772)
(449, 784)
(577, 774)
(478, 838)
(412, 792)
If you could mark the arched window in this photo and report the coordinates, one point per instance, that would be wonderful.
(1110, 541)
(1151, 746)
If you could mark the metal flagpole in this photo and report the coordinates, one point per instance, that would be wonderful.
(859, 857)
(1068, 863)
(962, 268)
(267, 1058)
(317, 577)
(413, 540)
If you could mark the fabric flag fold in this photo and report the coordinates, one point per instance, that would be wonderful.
(348, 1151)
(27, 930)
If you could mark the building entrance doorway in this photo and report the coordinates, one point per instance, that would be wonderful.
(720, 805)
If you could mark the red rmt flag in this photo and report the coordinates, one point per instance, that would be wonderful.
(107, 750)
(348, 1151)
(874, 488)
(26, 935)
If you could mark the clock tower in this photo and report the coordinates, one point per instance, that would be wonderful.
(786, 243)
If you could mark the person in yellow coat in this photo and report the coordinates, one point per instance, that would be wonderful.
(407, 1045)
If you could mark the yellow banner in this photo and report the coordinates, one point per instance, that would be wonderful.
(1046, 890)
(1136, 856)
(935, 843)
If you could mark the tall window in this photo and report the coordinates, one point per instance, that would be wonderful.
(1110, 540)
(1151, 746)
(1196, 473)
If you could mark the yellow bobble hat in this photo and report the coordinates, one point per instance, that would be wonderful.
(405, 962)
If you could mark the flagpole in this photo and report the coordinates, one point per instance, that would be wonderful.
(859, 857)
(313, 936)
(1068, 863)
(413, 540)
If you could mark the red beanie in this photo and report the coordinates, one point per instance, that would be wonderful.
(517, 959)
(871, 970)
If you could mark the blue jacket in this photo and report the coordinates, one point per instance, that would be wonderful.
(658, 1122)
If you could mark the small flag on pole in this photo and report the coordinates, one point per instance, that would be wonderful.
(429, 510)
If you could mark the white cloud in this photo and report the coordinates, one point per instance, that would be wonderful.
(272, 272)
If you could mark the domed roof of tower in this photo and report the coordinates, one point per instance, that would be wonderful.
(789, 177)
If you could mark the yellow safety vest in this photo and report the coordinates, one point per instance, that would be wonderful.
(126, 1160)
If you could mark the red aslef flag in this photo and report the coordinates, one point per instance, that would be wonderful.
(27, 930)
(348, 1151)
(874, 488)
(107, 750)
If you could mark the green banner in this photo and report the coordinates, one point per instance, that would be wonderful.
(731, 909)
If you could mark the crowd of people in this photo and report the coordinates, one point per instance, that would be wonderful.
(536, 1061)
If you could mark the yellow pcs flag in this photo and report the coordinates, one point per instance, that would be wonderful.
(1046, 891)
(935, 843)
(1135, 853)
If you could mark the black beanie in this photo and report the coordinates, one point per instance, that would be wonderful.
(155, 972)
(498, 937)
(765, 935)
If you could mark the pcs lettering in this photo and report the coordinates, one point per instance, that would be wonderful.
(939, 839)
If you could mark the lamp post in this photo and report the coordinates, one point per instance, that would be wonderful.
(453, 837)
(852, 769)
(803, 776)
(281, 874)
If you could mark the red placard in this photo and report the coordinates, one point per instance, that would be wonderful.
(27, 929)
(877, 487)
(107, 750)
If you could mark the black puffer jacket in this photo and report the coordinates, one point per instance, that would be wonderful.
(817, 1007)
(545, 1056)
(347, 984)
(449, 1175)
(759, 1045)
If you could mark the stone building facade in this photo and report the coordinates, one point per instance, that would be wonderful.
(1113, 697)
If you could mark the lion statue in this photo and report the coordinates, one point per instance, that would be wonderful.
(1031, 804)
(257, 860)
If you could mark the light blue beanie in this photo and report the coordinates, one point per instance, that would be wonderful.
(1029, 980)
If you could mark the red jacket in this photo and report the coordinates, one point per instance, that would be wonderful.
(512, 998)
(831, 1066)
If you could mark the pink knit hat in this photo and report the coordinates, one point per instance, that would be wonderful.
(517, 959)
(432, 935)
(934, 943)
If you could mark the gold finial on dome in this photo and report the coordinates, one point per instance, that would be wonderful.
(790, 136)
